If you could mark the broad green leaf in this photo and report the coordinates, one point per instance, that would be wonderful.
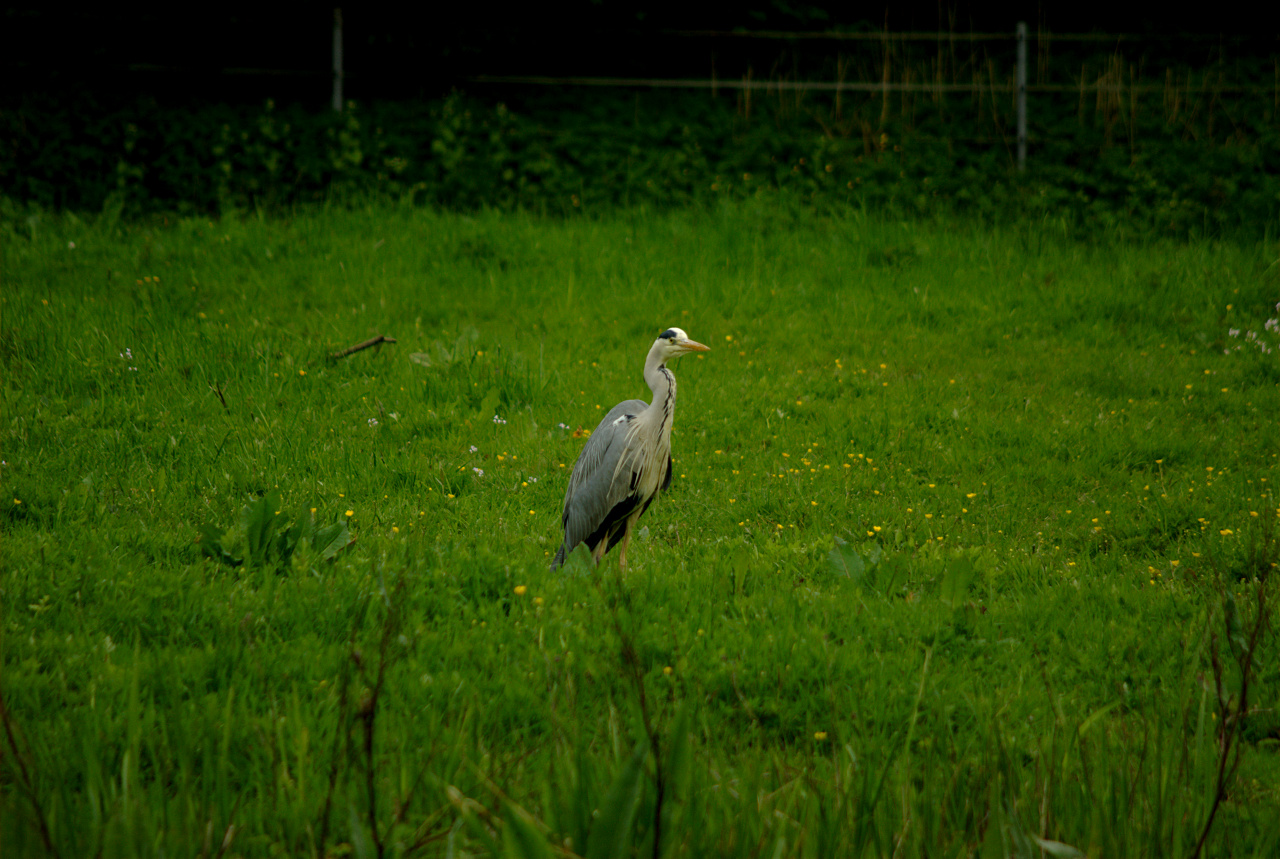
(489, 405)
(611, 832)
(331, 539)
(957, 580)
(211, 537)
(846, 561)
(258, 519)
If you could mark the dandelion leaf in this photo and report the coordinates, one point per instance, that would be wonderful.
(258, 520)
(845, 561)
(212, 545)
(956, 581)
(331, 539)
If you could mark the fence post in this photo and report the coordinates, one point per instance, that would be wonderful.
(337, 60)
(1022, 96)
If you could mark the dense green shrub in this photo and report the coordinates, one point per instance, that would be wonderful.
(1145, 171)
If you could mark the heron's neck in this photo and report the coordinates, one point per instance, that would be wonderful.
(663, 384)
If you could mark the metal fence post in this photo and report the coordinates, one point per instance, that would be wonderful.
(1022, 96)
(337, 60)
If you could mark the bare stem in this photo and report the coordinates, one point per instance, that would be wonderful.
(359, 347)
(28, 784)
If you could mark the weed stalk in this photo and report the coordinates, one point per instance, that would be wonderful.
(1232, 717)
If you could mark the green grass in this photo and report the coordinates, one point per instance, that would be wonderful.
(1042, 441)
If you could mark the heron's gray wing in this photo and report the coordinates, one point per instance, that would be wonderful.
(592, 492)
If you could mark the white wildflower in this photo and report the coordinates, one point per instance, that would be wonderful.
(373, 422)
(479, 471)
(474, 448)
(498, 420)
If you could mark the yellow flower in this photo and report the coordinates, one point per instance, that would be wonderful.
(351, 512)
(395, 530)
(819, 735)
(302, 372)
(521, 590)
(1226, 532)
(975, 495)
(668, 670)
(537, 600)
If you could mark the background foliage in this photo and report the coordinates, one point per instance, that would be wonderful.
(1159, 142)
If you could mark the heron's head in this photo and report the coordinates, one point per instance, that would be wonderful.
(673, 343)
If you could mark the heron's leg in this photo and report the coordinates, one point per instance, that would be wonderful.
(598, 552)
(622, 550)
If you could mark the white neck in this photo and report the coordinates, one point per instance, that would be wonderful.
(663, 384)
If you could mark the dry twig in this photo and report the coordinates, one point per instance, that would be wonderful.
(371, 342)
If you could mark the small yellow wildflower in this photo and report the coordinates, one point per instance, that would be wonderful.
(521, 590)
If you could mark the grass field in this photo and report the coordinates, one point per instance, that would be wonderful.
(965, 547)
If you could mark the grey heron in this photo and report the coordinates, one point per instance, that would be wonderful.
(627, 460)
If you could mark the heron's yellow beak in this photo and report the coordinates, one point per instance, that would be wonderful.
(692, 346)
